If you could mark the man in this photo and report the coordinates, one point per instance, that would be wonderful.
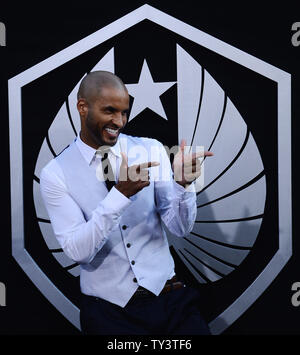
(115, 232)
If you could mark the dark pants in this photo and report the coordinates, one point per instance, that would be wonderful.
(173, 313)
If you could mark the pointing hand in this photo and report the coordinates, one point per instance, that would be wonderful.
(187, 167)
(134, 178)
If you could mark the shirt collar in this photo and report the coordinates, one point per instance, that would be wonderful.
(89, 152)
(116, 149)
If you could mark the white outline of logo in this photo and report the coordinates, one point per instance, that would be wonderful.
(283, 80)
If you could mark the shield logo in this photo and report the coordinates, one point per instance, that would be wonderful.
(183, 83)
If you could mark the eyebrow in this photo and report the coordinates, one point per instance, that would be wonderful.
(109, 108)
(113, 109)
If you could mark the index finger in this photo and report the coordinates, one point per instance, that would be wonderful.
(182, 145)
(149, 164)
(206, 153)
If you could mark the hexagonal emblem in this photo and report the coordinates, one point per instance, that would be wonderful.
(183, 83)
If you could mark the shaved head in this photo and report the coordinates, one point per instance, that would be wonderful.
(92, 84)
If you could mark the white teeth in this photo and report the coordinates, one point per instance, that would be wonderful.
(111, 131)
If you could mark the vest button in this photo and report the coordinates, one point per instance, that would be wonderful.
(124, 227)
(134, 280)
(128, 245)
(133, 262)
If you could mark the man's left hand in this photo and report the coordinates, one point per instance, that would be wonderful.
(187, 167)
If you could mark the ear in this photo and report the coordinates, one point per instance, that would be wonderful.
(82, 107)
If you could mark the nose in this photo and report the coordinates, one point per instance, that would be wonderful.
(118, 120)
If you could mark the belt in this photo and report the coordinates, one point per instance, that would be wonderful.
(172, 284)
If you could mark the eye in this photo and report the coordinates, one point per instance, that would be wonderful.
(109, 110)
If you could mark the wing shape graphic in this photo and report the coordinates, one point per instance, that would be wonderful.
(62, 131)
(230, 206)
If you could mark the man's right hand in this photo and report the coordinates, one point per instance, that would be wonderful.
(134, 178)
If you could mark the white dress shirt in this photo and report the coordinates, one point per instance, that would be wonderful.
(119, 242)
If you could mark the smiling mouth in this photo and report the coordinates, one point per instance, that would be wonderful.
(112, 132)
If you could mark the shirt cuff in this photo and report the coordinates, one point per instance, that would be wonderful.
(115, 201)
(182, 190)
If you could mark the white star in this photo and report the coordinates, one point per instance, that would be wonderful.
(146, 93)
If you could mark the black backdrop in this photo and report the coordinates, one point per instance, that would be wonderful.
(34, 33)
